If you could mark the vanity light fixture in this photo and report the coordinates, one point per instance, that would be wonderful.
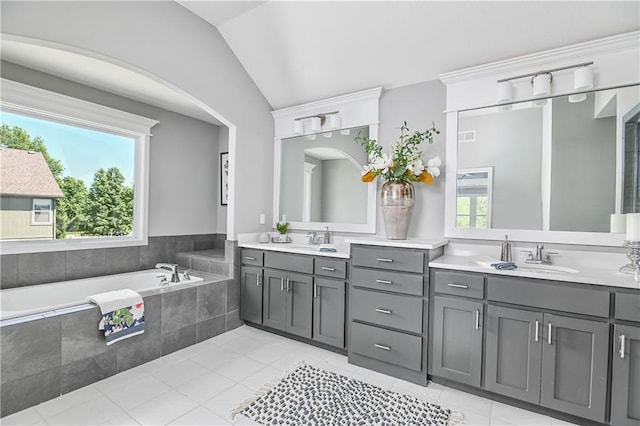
(345, 132)
(316, 122)
(541, 82)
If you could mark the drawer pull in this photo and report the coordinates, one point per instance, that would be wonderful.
(458, 285)
(326, 268)
(477, 319)
(379, 346)
(383, 311)
(250, 258)
(622, 339)
(384, 282)
(549, 338)
(384, 259)
(537, 333)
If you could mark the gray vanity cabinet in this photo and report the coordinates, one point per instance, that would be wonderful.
(288, 301)
(457, 339)
(251, 294)
(513, 352)
(328, 311)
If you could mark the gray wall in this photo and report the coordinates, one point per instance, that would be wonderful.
(183, 157)
(516, 156)
(420, 105)
(189, 54)
(583, 167)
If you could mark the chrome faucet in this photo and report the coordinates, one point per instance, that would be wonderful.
(313, 238)
(171, 267)
(540, 257)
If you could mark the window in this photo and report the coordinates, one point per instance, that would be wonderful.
(42, 212)
(473, 201)
(96, 169)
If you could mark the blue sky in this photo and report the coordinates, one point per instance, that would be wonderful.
(82, 152)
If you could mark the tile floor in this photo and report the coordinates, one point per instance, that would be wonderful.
(201, 384)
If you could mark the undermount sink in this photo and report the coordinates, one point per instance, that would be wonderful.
(545, 269)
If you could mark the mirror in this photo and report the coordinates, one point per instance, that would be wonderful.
(319, 181)
(547, 166)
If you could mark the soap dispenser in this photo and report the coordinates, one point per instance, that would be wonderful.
(505, 255)
(326, 239)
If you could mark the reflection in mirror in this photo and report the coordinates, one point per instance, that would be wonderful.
(549, 165)
(320, 178)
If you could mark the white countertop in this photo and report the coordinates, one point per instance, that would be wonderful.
(408, 243)
(598, 268)
(296, 248)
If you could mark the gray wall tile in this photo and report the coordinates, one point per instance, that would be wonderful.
(204, 242)
(233, 295)
(29, 391)
(30, 348)
(80, 336)
(179, 309)
(147, 346)
(86, 371)
(178, 339)
(212, 301)
(85, 263)
(9, 270)
(154, 252)
(210, 328)
(122, 259)
(39, 268)
(233, 320)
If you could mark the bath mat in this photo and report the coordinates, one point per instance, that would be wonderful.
(311, 396)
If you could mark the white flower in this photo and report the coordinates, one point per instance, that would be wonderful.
(416, 167)
(433, 166)
(382, 163)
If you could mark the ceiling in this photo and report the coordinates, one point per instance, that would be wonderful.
(302, 51)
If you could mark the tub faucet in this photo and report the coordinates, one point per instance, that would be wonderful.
(171, 267)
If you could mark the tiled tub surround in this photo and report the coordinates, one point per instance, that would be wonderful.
(47, 267)
(45, 358)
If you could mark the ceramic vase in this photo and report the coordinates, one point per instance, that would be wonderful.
(397, 200)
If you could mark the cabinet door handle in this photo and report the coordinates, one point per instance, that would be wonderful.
(384, 282)
(326, 268)
(259, 280)
(288, 285)
(250, 258)
(622, 341)
(458, 285)
(282, 284)
(384, 259)
(477, 319)
(315, 290)
(385, 347)
(383, 311)
(549, 337)
(537, 333)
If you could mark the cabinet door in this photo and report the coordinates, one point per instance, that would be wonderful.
(513, 353)
(275, 300)
(625, 391)
(457, 340)
(299, 291)
(574, 366)
(328, 311)
(251, 294)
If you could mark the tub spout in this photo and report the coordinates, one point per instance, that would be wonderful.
(171, 267)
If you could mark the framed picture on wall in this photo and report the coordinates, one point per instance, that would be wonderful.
(224, 178)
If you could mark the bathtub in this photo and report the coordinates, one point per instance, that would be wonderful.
(40, 301)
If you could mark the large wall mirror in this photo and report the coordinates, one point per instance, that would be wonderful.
(547, 170)
(319, 182)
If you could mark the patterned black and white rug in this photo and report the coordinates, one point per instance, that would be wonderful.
(311, 396)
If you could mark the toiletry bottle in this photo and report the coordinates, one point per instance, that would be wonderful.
(505, 255)
(327, 236)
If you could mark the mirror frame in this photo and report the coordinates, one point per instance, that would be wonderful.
(536, 236)
(356, 110)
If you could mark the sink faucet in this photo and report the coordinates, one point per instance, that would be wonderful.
(313, 238)
(540, 257)
(171, 267)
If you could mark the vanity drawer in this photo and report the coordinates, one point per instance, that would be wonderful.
(459, 284)
(628, 306)
(385, 345)
(384, 258)
(331, 268)
(389, 310)
(251, 257)
(390, 281)
(579, 299)
(289, 262)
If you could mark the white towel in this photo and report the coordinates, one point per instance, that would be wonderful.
(112, 300)
(122, 314)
